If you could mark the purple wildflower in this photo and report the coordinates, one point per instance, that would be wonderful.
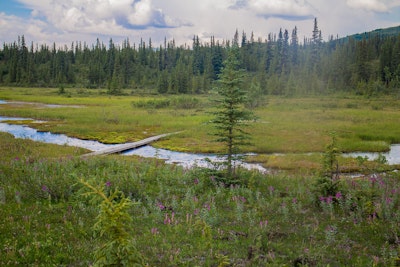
(338, 195)
(167, 219)
(271, 189)
(263, 223)
(161, 206)
(154, 231)
(108, 183)
(329, 199)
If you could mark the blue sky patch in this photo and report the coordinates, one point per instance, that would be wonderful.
(12, 7)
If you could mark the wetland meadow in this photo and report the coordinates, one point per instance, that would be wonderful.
(57, 208)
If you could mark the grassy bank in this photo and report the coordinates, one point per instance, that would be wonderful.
(190, 218)
(285, 125)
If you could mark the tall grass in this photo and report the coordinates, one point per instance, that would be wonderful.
(189, 217)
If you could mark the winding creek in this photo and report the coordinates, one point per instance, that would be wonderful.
(186, 160)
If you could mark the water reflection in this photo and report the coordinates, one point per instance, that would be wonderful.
(392, 157)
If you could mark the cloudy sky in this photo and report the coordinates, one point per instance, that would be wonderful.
(66, 21)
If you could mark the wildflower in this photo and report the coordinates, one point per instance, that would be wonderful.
(373, 179)
(48, 226)
(108, 183)
(161, 206)
(16, 158)
(294, 200)
(167, 219)
(196, 211)
(196, 181)
(328, 200)
(44, 188)
(271, 189)
(263, 223)
(154, 231)
(338, 195)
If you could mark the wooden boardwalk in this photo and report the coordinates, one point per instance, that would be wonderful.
(127, 146)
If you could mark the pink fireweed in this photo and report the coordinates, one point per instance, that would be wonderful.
(263, 224)
(154, 231)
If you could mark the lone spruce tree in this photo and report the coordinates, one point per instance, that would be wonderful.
(231, 115)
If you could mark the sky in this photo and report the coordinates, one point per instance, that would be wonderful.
(66, 21)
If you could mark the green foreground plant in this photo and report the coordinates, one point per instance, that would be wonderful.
(328, 184)
(113, 225)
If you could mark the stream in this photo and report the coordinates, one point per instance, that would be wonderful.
(187, 160)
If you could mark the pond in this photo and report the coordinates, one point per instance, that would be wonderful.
(186, 160)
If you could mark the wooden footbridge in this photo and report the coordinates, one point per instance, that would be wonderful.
(127, 146)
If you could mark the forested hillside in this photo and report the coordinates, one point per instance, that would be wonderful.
(280, 64)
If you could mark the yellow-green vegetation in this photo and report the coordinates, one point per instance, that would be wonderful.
(186, 217)
(285, 125)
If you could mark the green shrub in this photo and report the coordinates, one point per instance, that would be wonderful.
(113, 224)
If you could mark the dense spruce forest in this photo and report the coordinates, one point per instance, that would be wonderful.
(280, 64)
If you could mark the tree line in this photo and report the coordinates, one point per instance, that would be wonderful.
(279, 64)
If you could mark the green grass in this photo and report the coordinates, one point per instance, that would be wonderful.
(284, 125)
(188, 217)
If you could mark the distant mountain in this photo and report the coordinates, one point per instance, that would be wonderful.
(392, 31)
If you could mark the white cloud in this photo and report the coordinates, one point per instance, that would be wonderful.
(368, 5)
(290, 9)
(100, 16)
(64, 21)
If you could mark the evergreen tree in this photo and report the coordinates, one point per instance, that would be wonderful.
(230, 116)
(294, 47)
(315, 45)
(162, 87)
